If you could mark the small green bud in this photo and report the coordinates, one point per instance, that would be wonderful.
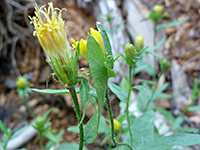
(21, 83)
(158, 9)
(130, 53)
(139, 42)
(40, 123)
(164, 64)
(108, 17)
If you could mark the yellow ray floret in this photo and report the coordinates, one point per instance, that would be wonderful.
(83, 43)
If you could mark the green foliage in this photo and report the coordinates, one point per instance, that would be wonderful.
(69, 146)
(195, 90)
(170, 24)
(118, 91)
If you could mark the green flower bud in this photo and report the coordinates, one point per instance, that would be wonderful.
(40, 123)
(130, 53)
(21, 83)
(108, 17)
(158, 9)
(139, 42)
(164, 64)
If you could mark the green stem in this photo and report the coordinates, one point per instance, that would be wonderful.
(78, 115)
(127, 103)
(41, 141)
(112, 125)
(27, 106)
(154, 89)
(154, 43)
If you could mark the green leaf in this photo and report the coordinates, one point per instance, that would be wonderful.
(159, 91)
(84, 94)
(195, 90)
(158, 44)
(50, 136)
(73, 129)
(103, 127)
(18, 132)
(99, 74)
(167, 142)
(3, 127)
(91, 129)
(177, 123)
(193, 108)
(142, 129)
(143, 66)
(118, 92)
(70, 146)
(51, 91)
(170, 24)
(166, 113)
(105, 37)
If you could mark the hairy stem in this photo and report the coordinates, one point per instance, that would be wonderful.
(112, 125)
(41, 141)
(154, 43)
(127, 104)
(78, 115)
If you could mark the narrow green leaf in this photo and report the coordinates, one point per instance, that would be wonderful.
(91, 129)
(50, 136)
(159, 91)
(3, 127)
(84, 94)
(157, 45)
(51, 91)
(177, 122)
(118, 91)
(105, 37)
(193, 108)
(170, 24)
(166, 113)
(18, 132)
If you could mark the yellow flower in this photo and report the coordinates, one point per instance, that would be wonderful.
(158, 9)
(116, 125)
(83, 43)
(139, 42)
(21, 82)
(50, 31)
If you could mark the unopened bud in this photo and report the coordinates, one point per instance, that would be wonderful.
(116, 125)
(139, 42)
(158, 9)
(130, 53)
(40, 123)
(164, 64)
(21, 82)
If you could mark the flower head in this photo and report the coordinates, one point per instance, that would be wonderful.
(130, 53)
(158, 9)
(50, 31)
(83, 43)
(21, 82)
(139, 42)
(116, 125)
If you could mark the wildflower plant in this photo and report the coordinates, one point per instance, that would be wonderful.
(50, 31)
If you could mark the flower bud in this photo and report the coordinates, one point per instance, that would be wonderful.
(21, 83)
(40, 123)
(139, 42)
(164, 64)
(50, 31)
(116, 125)
(130, 53)
(83, 43)
(158, 9)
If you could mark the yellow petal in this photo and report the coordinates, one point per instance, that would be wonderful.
(96, 34)
(83, 48)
